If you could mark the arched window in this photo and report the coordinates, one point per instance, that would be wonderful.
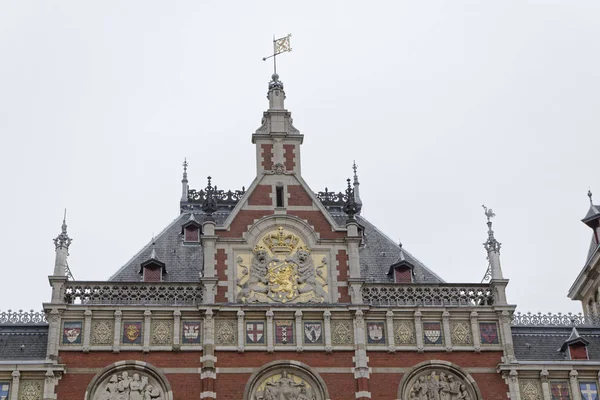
(438, 380)
(286, 378)
(129, 379)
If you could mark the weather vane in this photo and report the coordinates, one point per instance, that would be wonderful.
(281, 45)
(488, 213)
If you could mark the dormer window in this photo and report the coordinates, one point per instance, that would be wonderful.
(402, 270)
(191, 231)
(575, 347)
(153, 269)
(152, 274)
(402, 274)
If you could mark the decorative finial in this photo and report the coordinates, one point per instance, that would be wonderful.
(63, 240)
(185, 165)
(350, 207)
(590, 196)
(153, 254)
(355, 168)
(209, 205)
(491, 244)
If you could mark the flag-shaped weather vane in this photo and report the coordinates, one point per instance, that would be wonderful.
(281, 45)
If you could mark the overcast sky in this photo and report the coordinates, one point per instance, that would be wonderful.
(444, 105)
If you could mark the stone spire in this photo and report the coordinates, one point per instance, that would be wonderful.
(357, 199)
(592, 218)
(62, 243)
(184, 182)
(492, 246)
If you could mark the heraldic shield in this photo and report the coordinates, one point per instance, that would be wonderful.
(281, 269)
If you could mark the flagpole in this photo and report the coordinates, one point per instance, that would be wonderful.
(274, 56)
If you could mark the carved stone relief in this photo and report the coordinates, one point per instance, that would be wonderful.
(162, 333)
(284, 385)
(282, 269)
(404, 332)
(129, 385)
(433, 381)
(31, 390)
(530, 389)
(342, 332)
(102, 332)
(226, 331)
(461, 333)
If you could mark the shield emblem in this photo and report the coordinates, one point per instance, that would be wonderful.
(72, 333)
(132, 333)
(375, 332)
(4, 388)
(255, 332)
(489, 332)
(589, 390)
(312, 333)
(560, 390)
(284, 332)
(191, 332)
(432, 332)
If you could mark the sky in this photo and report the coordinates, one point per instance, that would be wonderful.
(444, 105)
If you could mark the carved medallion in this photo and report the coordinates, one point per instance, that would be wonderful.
(404, 332)
(226, 332)
(284, 385)
(434, 384)
(161, 333)
(30, 390)
(129, 385)
(342, 332)
(461, 333)
(281, 269)
(102, 332)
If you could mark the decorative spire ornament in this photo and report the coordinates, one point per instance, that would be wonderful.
(63, 241)
(209, 205)
(356, 185)
(153, 253)
(492, 246)
(184, 182)
(350, 202)
(590, 196)
(61, 247)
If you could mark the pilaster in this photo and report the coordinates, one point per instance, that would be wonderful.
(54, 322)
(117, 334)
(575, 393)
(419, 331)
(327, 319)
(298, 317)
(87, 330)
(208, 373)
(49, 385)
(147, 333)
(14, 387)
(447, 331)
(270, 346)
(361, 367)
(475, 331)
(509, 350)
(545, 385)
(513, 385)
(241, 331)
(176, 329)
(389, 318)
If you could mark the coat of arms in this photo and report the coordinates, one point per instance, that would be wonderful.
(191, 332)
(376, 332)
(284, 332)
(312, 333)
(432, 332)
(132, 333)
(255, 332)
(489, 332)
(72, 333)
(589, 390)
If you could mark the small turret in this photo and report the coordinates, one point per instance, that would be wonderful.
(592, 218)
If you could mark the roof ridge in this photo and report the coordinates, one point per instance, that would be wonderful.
(401, 249)
(146, 246)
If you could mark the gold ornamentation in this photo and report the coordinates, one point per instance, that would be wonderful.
(342, 332)
(281, 242)
(226, 331)
(30, 390)
(461, 333)
(102, 332)
(404, 332)
(161, 333)
(282, 280)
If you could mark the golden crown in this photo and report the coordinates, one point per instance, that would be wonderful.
(281, 242)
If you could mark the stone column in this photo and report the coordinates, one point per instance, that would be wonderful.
(209, 280)
(208, 359)
(513, 385)
(270, 347)
(419, 331)
(241, 331)
(447, 332)
(475, 331)
(87, 330)
(14, 387)
(49, 384)
(361, 367)
(299, 334)
(575, 393)
(545, 385)
(509, 350)
(117, 336)
(177, 329)
(54, 322)
(327, 319)
(389, 318)
(147, 333)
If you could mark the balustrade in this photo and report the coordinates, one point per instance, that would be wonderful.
(427, 295)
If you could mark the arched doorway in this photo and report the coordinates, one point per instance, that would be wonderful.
(129, 380)
(291, 380)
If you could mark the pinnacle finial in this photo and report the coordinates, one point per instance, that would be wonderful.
(590, 196)
(63, 240)
(355, 168)
(153, 254)
(185, 165)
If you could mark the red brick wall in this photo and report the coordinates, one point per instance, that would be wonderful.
(298, 196)
(342, 268)
(261, 196)
(318, 220)
(241, 222)
(289, 156)
(72, 386)
(267, 156)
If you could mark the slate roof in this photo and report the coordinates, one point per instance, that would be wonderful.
(23, 342)
(184, 262)
(541, 343)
